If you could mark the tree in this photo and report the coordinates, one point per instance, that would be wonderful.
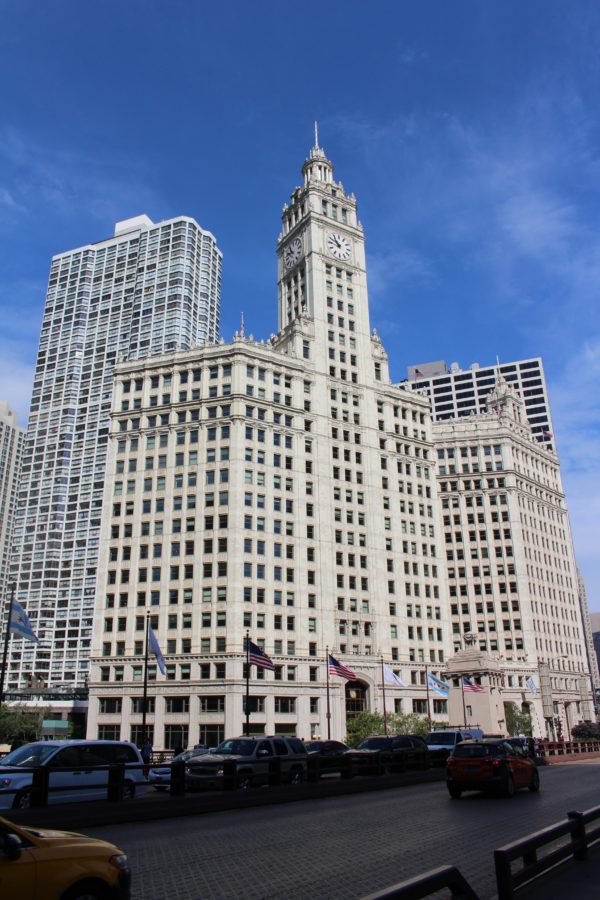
(408, 723)
(366, 724)
(19, 723)
(362, 726)
(517, 721)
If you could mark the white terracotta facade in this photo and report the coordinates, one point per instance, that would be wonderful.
(286, 488)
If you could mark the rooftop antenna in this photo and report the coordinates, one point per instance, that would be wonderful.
(497, 360)
(316, 136)
(243, 327)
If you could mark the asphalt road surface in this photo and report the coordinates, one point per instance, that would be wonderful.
(342, 847)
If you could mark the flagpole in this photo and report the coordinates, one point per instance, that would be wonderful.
(145, 694)
(383, 691)
(247, 725)
(6, 640)
(428, 701)
(328, 703)
(462, 687)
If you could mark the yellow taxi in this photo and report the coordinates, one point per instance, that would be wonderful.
(39, 864)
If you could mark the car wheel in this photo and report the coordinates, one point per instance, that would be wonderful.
(22, 800)
(244, 781)
(296, 776)
(535, 781)
(86, 892)
(509, 787)
(128, 790)
(455, 793)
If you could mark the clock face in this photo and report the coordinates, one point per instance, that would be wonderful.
(293, 253)
(338, 245)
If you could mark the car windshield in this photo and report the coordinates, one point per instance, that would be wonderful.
(29, 755)
(237, 747)
(374, 744)
(470, 751)
(187, 754)
(446, 737)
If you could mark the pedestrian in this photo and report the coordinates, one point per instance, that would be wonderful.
(146, 753)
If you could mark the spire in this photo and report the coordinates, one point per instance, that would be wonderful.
(317, 167)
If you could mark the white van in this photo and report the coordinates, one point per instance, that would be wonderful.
(80, 776)
(449, 738)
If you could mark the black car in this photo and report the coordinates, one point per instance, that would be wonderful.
(392, 753)
(329, 757)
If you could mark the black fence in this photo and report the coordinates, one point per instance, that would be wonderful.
(429, 883)
(119, 784)
(535, 854)
(544, 849)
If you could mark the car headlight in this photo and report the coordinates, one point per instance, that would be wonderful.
(5, 782)
(219, 771)
(119, 862)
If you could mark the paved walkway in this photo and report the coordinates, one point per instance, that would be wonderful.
(572, 880)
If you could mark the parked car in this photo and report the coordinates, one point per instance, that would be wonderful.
(36, 864)
(253, 757)
(525, 745)
(160, 776)
(489, 765)
(394, 752)
(74, 772)
(442, 743)
(330, 756)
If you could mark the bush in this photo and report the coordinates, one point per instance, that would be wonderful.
(586, 731)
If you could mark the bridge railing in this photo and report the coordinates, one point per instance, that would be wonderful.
(542, 850)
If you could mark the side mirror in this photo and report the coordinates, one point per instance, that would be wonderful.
(11, 847)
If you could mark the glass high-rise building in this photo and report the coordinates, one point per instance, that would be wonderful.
(12, 438)
(150, 288)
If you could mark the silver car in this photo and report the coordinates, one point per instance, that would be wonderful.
(160, 776)
(77, 770)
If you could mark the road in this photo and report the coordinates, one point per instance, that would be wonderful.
(342, 848)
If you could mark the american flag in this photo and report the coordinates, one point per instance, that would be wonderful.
(258, 657)
(338, 668)
(472, 686)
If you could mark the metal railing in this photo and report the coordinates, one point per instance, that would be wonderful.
(572, 836)
(568, 748)
(429, 883)
(41, 786)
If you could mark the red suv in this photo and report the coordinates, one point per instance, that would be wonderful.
(489, 765)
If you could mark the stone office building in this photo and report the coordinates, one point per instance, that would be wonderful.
(285, 488)
(512, 578)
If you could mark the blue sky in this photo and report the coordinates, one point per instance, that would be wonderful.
(469, 132)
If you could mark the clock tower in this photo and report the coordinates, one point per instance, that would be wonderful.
(322, 282)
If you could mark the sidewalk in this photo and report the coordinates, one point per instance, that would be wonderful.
(572, 879)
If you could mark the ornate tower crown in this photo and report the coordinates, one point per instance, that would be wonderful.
(317, 167)
(503, 399)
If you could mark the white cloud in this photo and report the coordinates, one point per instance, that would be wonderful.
(37, 177)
